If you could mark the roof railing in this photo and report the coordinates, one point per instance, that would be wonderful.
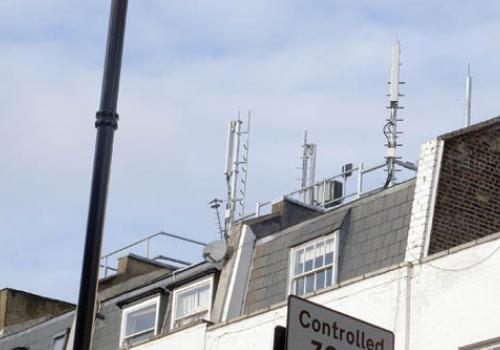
(146, 242)
(321, 194)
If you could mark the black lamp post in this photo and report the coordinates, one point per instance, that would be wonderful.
(106, 124)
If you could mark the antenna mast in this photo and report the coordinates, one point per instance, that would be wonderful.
(232, 170)
(215, 204)
(390, 128)
(305, 158)
(308, 168)
(468, 96)
(244, 165)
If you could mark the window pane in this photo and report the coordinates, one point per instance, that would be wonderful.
(320, 279)
(329, 251)
(329, 258)
(203, 296)
(308, 265)
(309, 283)
(329, 277)
(329, 245)
(299, 262)
(299, 286)
(141, 320)
(59, 343)
(193, 301)
(186, 303)
(318, 261)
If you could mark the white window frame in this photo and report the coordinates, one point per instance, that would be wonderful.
(130, 309)
(186, 288)
(291, 277)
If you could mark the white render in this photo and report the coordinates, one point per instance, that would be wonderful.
(239, 276)
(423, 201)
(446, 302)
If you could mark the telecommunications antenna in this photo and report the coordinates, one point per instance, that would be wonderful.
(236, 190)
(308, 168)
(390, 129)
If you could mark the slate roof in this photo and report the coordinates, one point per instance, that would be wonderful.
(40, 336)
(107, 330)
(374, 231)
(373, 235)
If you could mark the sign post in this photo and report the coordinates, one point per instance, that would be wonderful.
(312, 326)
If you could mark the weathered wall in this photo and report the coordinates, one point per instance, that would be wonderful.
(3, 307)
(18, 307)
(468, 197)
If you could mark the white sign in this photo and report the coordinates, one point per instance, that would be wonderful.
(314, 327)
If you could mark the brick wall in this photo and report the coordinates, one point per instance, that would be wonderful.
(467, 204)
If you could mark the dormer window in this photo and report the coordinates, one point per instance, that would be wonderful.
(192, 303)
(314, 265)
(140, 322)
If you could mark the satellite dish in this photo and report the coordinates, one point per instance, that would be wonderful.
(216, 252)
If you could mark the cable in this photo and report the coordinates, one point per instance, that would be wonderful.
(466, 267)
(385, 130)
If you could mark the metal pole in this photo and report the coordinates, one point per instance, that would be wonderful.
(106, 267)
(392, 132)
(468, 89)
(304, 163)
(107, 122)
(360, 179)
(232, 200)
(279, 342)
(147, 248)
(323, 199)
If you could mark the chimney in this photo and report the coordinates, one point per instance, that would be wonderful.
(18, 308)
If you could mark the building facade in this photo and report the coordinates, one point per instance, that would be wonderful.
(420, 258)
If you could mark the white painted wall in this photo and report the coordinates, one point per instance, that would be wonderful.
(448, 302)
(192, 338)
(429, 164)
(456, 298)
(236, 291)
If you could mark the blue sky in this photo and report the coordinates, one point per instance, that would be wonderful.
(189, 66)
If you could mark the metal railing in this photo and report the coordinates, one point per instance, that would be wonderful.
(146, 242)
(318, 194)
